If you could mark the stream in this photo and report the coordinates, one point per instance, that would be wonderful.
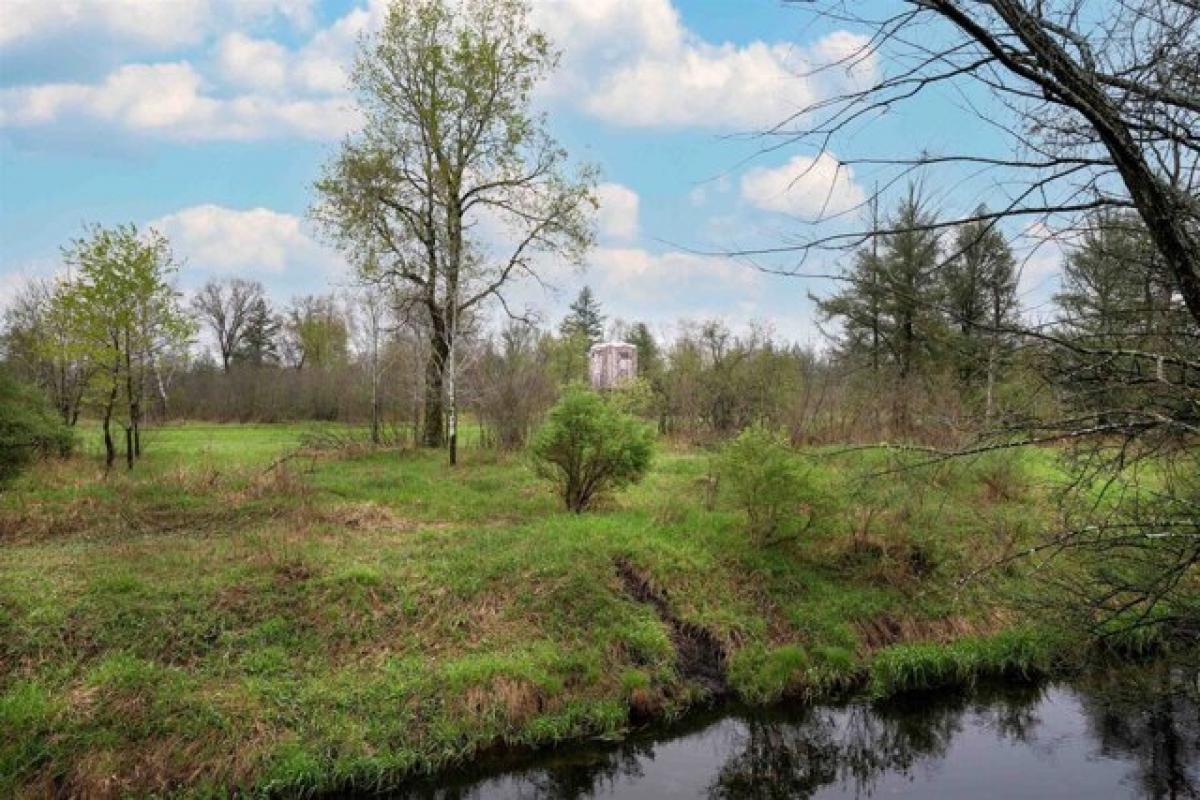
(1132, 732)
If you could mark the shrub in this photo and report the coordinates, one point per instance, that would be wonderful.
(28, 427)
(588, 447)
(767, 481)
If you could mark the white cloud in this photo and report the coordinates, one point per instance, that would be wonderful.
(702, 86)
(1040, 258)
(804, 186)
(633, 270)
(634, 63)
(160, 24)
(169, 99)
(216, 239)
(252, 63)
(628, 62)
(617, 217)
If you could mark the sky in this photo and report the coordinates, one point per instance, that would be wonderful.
(209, 120)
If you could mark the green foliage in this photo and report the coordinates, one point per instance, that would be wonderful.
(28, 427)
(767, 481)
(588, 447)
(124, 312)
(635, 397)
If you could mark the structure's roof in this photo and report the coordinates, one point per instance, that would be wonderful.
(606, 345)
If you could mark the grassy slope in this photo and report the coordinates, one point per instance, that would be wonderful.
(205, 623)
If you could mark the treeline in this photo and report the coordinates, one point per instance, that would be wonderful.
(925, 331)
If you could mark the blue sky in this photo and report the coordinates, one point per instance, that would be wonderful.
(210, 119)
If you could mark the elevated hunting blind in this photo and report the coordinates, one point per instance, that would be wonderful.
(611, 364)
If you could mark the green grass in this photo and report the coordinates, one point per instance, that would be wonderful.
(349, 620)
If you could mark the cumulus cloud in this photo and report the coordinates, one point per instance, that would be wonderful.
(252, 63)
(155, 23)
(634, 63)
(617, 218)
(169, 99)
(216, 239)
(633, 271)
(804, 186)
(628, 62)
(702, 86)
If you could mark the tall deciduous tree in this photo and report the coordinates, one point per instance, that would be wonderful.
(227, 308)
(41, 339)
(126, 313)
(317, 332)
(451, 147)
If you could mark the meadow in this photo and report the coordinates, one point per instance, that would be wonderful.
(245, 610)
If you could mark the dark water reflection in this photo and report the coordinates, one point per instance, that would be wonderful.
(1133, 733)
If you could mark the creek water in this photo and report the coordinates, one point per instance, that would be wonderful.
(1133, 732)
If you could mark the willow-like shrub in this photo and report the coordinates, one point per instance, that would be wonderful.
(768, 482)
(588, 447)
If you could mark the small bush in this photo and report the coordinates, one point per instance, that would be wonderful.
(767, 482)
(588, 447)
(28, 428)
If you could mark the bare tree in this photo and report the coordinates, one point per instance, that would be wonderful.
(374, 317)
(227, 308)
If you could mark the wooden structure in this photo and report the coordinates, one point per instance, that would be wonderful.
(611, 364)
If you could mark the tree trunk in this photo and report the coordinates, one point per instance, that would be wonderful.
(110, 450)
(129, 447)
(453, 403)
(435, 406)
(990, 403)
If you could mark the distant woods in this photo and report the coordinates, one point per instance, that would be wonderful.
(923, 347)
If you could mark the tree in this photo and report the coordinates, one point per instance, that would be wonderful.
(890, 306)
(374, 313)
(1110, 295)
(515, 385)
(451, 141)
(587, 447)
(1095, 108)
(126, 313)
(649, 357)
(317, 332)
(258, 344)
(584, 319)
(228, 309)
(41, 340)
(980, 288)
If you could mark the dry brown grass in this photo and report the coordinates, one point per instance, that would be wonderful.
(889, 629)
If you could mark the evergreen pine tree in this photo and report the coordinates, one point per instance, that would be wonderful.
(584, 318)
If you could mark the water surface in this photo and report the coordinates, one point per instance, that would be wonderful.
(1131, 733)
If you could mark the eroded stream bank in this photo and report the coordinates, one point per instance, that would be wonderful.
(699, 656)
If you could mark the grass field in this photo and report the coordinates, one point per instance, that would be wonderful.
(235, 613)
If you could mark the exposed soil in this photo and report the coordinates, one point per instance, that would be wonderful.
(699, 656)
